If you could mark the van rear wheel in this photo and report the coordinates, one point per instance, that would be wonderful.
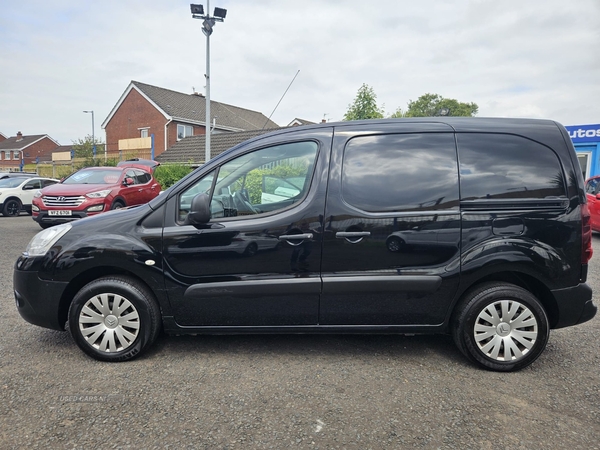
(500, 326)
(114, 318)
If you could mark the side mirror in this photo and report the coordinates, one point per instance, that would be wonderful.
(200, 210)
(128, 181)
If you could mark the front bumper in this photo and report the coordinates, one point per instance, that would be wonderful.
(575, 305)
(38, 301)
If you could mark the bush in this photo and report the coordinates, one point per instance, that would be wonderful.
(169, 174)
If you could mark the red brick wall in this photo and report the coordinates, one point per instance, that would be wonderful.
(172, 132)
(136, 112)
(44, 147)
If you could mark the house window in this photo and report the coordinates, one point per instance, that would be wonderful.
(184, 131)
(15, 155)
(144, 132)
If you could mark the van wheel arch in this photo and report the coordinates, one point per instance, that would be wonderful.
(87, 277)
(523, 280)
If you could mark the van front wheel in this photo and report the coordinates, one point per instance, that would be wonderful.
(114, 318)
(500, 326)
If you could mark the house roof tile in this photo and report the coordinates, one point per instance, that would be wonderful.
(190, 150)
(25, 141)
(192, 108)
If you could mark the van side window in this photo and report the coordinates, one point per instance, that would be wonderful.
(401, 172)
(262, 181)
(499, 166)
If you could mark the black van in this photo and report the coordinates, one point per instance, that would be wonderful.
(470, 226)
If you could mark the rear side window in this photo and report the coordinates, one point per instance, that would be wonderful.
(498, 166)
(142, 177)
(401, 172)
(591, 186)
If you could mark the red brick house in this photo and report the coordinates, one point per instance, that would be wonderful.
(2, 137)
(144, 110)
(21, 149)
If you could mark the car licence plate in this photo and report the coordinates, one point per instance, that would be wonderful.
(59, 213)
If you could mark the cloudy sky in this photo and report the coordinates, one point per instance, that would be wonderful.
(521, 58)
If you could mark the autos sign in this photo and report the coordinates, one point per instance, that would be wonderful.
(584, 133)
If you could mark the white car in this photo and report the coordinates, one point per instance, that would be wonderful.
(17, 193)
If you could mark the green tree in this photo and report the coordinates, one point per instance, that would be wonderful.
(429, 105)
(364, 105)
(84, 153)
(84, 147)
(398, 114)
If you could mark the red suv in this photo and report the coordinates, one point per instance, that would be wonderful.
(592, 190)
(93, 190)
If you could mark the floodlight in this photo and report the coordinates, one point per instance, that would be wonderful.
(207, 26)
(197, 9)
(220, 13)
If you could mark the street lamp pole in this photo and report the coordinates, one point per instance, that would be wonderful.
(207, 129)
(93, 137)
(207, 29)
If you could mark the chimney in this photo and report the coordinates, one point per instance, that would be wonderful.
(323, 120)
(19, 136)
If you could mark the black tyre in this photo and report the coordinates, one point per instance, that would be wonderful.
(45, 225)
(12, 208)
(114, 318)
(118, 204)
(500, 326)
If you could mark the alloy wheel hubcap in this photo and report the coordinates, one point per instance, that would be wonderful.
(505, 330)
(109, 322)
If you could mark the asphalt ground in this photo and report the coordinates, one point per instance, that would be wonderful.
(325, 392)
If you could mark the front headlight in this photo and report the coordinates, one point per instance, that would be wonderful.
(99, 194)
(44, 240)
